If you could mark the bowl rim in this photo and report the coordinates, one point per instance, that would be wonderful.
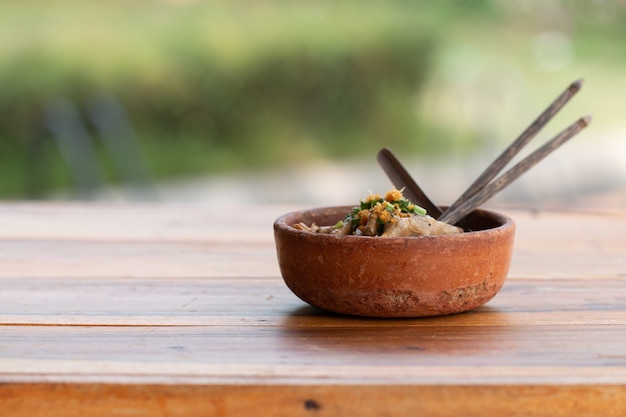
(280, 224)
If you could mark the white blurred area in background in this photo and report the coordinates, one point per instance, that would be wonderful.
(580, 175)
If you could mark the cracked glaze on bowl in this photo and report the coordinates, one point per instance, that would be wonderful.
(394, 277)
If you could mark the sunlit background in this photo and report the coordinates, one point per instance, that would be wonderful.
(289, 101)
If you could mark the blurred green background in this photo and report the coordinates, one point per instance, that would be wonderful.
(96, 94)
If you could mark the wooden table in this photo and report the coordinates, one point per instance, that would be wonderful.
(180, 310)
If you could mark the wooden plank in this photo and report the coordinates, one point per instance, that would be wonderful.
(192, 223)
(103, 259)
(268, 302)
(444, 354)
(75, 259)
(136, 222)
(94, 259)
(169, 309)
(306, 400)
(573, 244)
(193, 331)
(174, 241)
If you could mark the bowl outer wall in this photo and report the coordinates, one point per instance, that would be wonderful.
(394, 277)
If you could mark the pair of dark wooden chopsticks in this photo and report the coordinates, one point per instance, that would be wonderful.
(484, 188)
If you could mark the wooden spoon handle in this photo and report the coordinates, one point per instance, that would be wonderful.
(400, 178)
(515, 172)
(507, 155)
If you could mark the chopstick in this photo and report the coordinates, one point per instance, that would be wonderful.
(507, 155)
(486, 192)
(400, 178)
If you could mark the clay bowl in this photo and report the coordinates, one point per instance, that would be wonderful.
(394, 277)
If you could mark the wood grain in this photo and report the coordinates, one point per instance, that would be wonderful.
(157, 311)
(68, 400)
(268, 302)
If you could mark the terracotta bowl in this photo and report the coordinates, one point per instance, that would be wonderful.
(394, 277)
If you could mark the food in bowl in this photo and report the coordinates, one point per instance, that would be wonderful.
(393, 277)
(391, 216)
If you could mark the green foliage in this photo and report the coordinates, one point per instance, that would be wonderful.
(225, 84)
(221, 84)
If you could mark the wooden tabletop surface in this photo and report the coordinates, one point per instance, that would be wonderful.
(181, 310)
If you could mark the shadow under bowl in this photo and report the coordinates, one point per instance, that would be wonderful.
(394, 277)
